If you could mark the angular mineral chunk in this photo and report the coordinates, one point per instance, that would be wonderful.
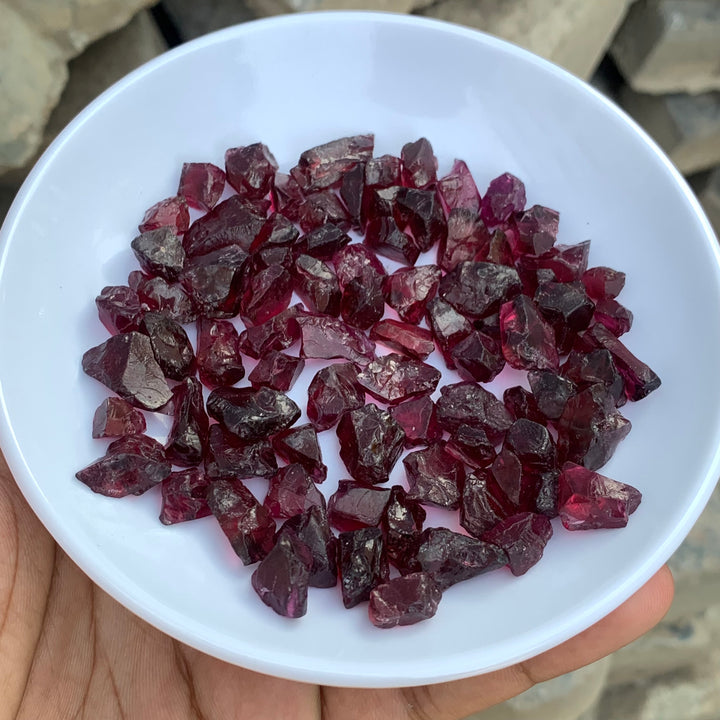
(350, 261)
(317, 285)
(214, 288)
(229, 458)
(408, 290)
(291, 492)
(170, 345)
(384, 236)
(381, 202)
(471, 446)
(458, 190)
(115, 418)
(508, 481)
(567, 308)
(328, 337)
(312, 529)
(537, 230)
(468, 403)
(323, 242)
(477, 289)
(402, 524)
(603, 282)
(171, 212)
(356, 505)
(480, 509)
(119, 309)
(324, 166)
(333, 391)
(287, 197)
(277, 232)
(320, 208)
(393, 378)
(467, 239)
(184, 496)
(362, 303)
(448, 327)
(478, 357)
(505, 195)
(434, 476)
(522, 404)
(546, 502)
(267, 294)
(418, 419)
(251, 170)
(614, 316)
(500, 251)
(419, 164)
(218, 357)
(278, 333)
(362, 564)
(299, 444)
(189, 433)
(201, 184)
(352, 189)
(382, 172)
(160, 252)
(551, 392)
(168, 298)
(528, 341)
(276, 370)
(532, 444)
(523, 537)
(422, 211)
(404, 600)
(596, 366)
(411, 340)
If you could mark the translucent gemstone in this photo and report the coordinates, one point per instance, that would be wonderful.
(170, 344)
(522, 404)
(411, 340)
(116, 417)
(252, 414)
(471, 445)
(434, 476)
(614, 316)
(528, 341)
(402, 524)
(404, 600)
(201, 184)
(523, 537)
(551, 392)
(119, 309)
(323, 242)
(299, 444)
(328, 337)
(171, 212)
(422, 211)
(382, 172)
(276, 370)
(393, 378)
(291, 491)
(546, 502)
(362, 303)
(467, 403)
(333, 391)
(603, 282)
(215, 288)
(362, 564)
(419, 164)
(160, 252)
(287, 197)
(467, 239)
(189, 433)
(596, 366)
(418, 419)
(168, 298)
(352, 189)
(184, 496)
(384, 236)
(370, 443)
(478, 357)
(230, 458)
(381, 202)
(458, 189)
(448, 327)
(568, 262)
(278, 333)
(505, 195)
(478, 289)
(356, 505)
(537, 230)
(218, 353)
(126, 365)
(408, 291)
(324, 166)
(320, 208)
(499, 250)
(277, 231)
(251, 170)
(480, 509)
(267, 294)
(532, 444)
(507, 480)
(312, 529)
(317, 285)
(567, 308)
(351, 260)
(246, 523)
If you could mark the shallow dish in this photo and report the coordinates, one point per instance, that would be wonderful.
(293, 82)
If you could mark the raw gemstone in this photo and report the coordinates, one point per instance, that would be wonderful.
(324, 166)
(500, 250)
(278, 333)
(522, 404)
(246, 523)
(328, 337)
(422, 211)
(568, 262)
(362, 303)
(291, 492)
(189, 433)
(458, 189)
(218, 353)
(277, 231)
(588, 500)
(229, 458)
(450, 557)
(409, 339)
(418, 419)
(184, 496)
(467, 239)
(215, 288)
(132, 465)
(252, 414)
(170, 345)
(404, 600)
(300, 445)
(567, 308)
(478, 357)
(528, 341)
(351, 260)
(590, 428)
(507, 480)
(321, 208)
(115, 418)
(168, 298)
(276, 370)
(546, 502)
(505, 195)
(384, 236)
(393, 378)
(467, 403)
(317, 285)
(287, 197)
(434, 476)
(448, 327)
(119, 309)
(282, 578)
(614, 316)
(333, 391)
(596, 366)
(408, 291)
(537, 230)
(313, 530)
(267, 294)
(480, 509)
(323, 242)
(532, 444)
(370, 443)
(603, 282)
(478, 289)
(382, 172)
(402, 524)
(126, 365)
(471, 446)
(362, 564)
(352, 189)
(355, 505)
(419, 164)
(171, 212)
(381, 202)
(551, 392)
(251, 170)
(523, 537)
(160, 252)
(201, 184)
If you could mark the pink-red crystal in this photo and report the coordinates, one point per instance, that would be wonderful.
(434, 476)
(523, 537)
(332, 392)
(115, 417)
(201, 184)
(362, 564)
(218, 354)
(528, 341)
(408, 291)
(276, 370)
(291, 492)
(458, 189)
(300, 444)
(251, 170)
(404, 600)
(419, 164)
(184, 496)
(505, 195)
(411, 340)
(355, 505)
(393, 378)
(171, 212)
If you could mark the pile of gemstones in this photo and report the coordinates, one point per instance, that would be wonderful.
(496, 291)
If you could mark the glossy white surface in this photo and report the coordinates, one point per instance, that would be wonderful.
(293, 82)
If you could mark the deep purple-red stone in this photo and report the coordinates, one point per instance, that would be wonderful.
(184, 496)
(277, 231)
(291, 492)
(119, 309)
(276, 370)
(402, 524)
(480, 508)
(189, 433)
(355, 505)
(328, 337)
(603, 282)
(299, 444)
(458, 190)
(471, 445)
(419, 164)
(160, 252)
(115, 417)
(551, 391)
(171, 299)
(384, 236)
(362, 564)
(478, 289)
(312, 529)
(333, 391)
(522, 404)
(418, 419)
(411, 340)
(351, 260)
(528, 341)
(596, 366)
(267, 294)
(434, 476)
(250, 170)
(317, 285)
(478, 357)
(171, 212)
(614, 316)
(422, 212)
(537, 230)
(201, 184)
(218, 353)
(320, 208)
(323, 166)
(171, 345)
(448, 327)
(362, 303)
(404, 600)
(467, 239)
(505, 195)
(523, 537)
(393, 378)
(408, 291)
(323, 242)
(229, 458)
(277, 333)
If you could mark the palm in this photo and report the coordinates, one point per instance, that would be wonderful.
(68, 650)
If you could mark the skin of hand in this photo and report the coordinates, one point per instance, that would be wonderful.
(68, 650)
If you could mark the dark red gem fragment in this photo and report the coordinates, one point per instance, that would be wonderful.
(522, 404)
(328, 337)
(614, 316)
(393, 378)
(567, 308)
(471, 446)
(370, 443)
(596, 366)
(362, 564)
(171, 212)
(321, 208)
(317, 285)
(277, 231)
(384, 236)
(267, 294)
(523, 537)
(537, 230)
(568, 262)
(352, 189)
(504, 197)
(324, 166)
(351, 260)
(418, 419)
(528, 341)
(481, 509)
(500, 250)
(356, 505)
(551, 392)
(300, 445)
(119, 309)
(467, 239)
(160, 252)
(214, 288)
(362, 303)
(546, 502)
(201, 184)
(404, 600)
(287, 197)
(278, 333)
(333, 391)
(448, 327)
(168, 298)
(402, 524)
(411, 340)
(478, 289)
(184, 496)
(323, 242)
(276, 370)
(478, 357)
(508, 480)
(251, 170)
(291, 492)
(170, 344)
(229, 458)
(408, 291)
(603, 282)
(458, 190)
(382, 172)
(230, 255)
(189, 433)
(312, 529)
(419, 164)
(422, 211)
(532, 444)
(218, 355)
(115, 418)
(381, 202)
(434, 476)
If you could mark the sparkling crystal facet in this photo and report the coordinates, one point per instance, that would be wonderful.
(404, 600)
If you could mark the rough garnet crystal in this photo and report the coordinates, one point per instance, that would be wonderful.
(448, 327)
(170, 344)
(184, 496)
(168, 298)
(328, 337)
(588, 500)
(596, 366)
(312, 529)
(246, 523)
(532, 444)
(381, 202)
(467, 239)
(537, 230)
(214, 288)
(551, 392)
(320, 208)
(231, 458)
(362, 303)
(351, 260)
(323, 242)
(291, 492)
(505, 195)
(370, 443)
(478, 357)
(384, 236)
(528, 341)
(467, 403)
(458, 189)
(333, 391)
(230, 255)
(382, 172)
(278, 333)
(567, 308)
(508, 480)
(480, 509)
(282, 578)
(568, 262)
(352, 189)
(201, 184)
(449, 557)
(408, 290)
(500, 251)
(317, 285)
(434, 476)
(267, 294)
(614, 316)
(160, 252)
(171, 212)
(603, 282)
(422, 211)
(119, 309)
(362, 564)
(409, 339)
(523, 537)
(393, 378)
(276, 370)
(546, 502)
(189, 433)
(522, 404)
(115, 418)
(126, 365)
(419, 164)
(356, 505)
(478, 289)
(418, 419)
(404, 600)
(402, 524)
(324, 166)
(300, 445)
(251, 170)
(287, 197)
(277, 231)
(471, 446)
(489, 325)
(218, 356)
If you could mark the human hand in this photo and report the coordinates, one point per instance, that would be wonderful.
(68, 650)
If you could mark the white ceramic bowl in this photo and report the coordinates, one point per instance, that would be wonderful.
(293, 82)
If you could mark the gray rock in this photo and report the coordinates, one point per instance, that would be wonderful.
(193, 19)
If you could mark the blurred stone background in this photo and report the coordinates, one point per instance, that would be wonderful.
(658, 59)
